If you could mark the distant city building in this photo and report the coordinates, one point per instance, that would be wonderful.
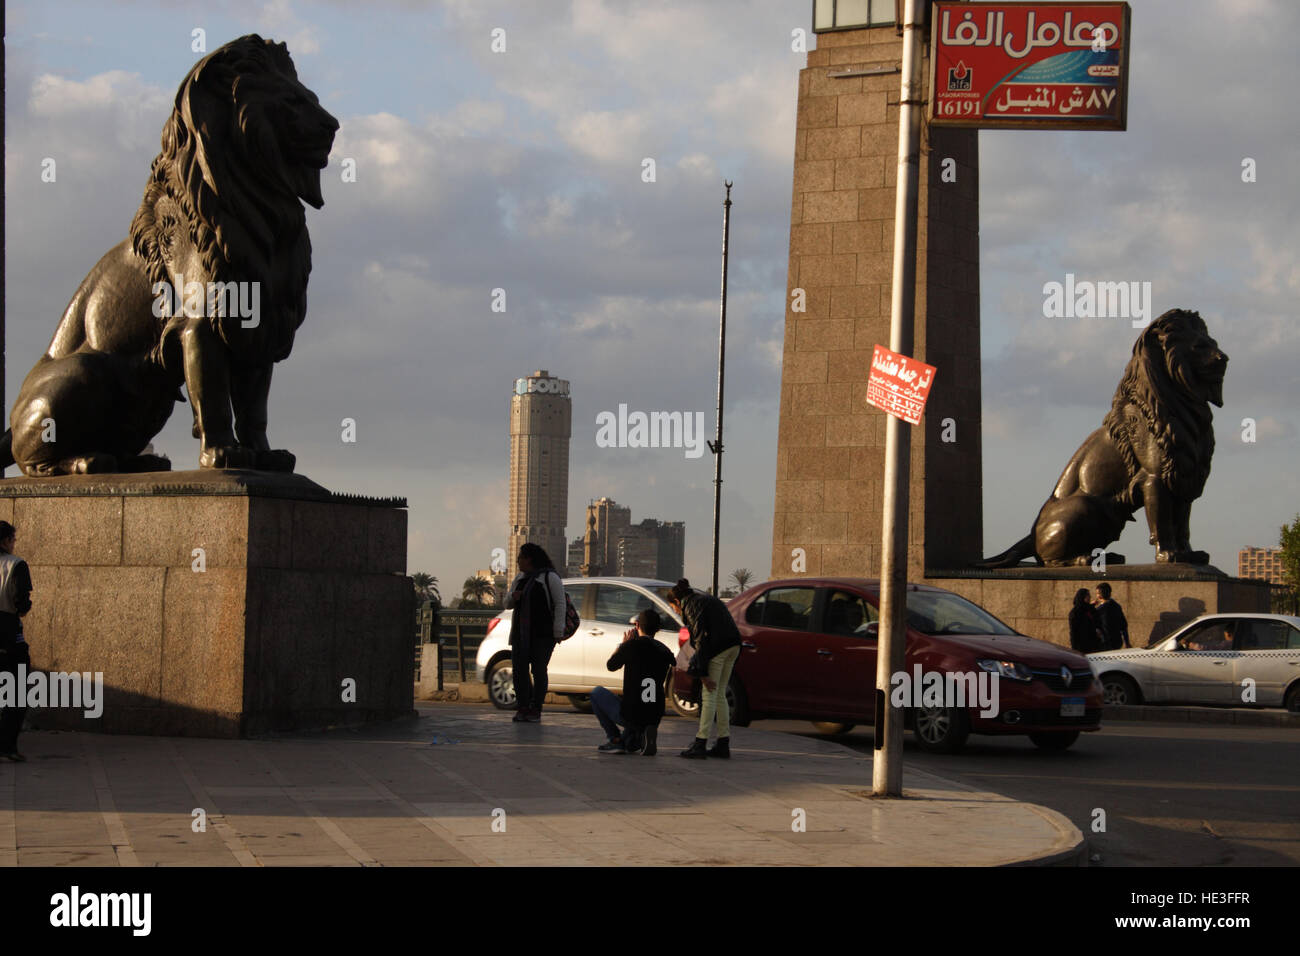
(612, 523)
(575, 556)
(672, 550)
(638, 556)
(616, 547)
(540, 426)
(1264, 564)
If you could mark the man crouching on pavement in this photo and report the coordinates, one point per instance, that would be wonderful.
(645, 664)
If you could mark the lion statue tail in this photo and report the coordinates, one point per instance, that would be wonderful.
(1024, 548)
(7, 449)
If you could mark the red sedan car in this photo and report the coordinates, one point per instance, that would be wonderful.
(808, 651)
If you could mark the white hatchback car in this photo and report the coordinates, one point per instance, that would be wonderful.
(1216, 659)
(606, 606)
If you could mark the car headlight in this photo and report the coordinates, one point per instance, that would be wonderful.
(1011, 670)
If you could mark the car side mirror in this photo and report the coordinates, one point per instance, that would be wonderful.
(873, 629)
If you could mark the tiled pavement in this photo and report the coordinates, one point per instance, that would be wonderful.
(463, 786)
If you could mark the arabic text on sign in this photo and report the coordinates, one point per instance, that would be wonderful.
(1085, 34)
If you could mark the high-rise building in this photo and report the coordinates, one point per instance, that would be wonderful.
(575, 556)
(1265, 564)
(614, 546)
(612, 522)
(540, 426)
(638, 554)
(672, 550)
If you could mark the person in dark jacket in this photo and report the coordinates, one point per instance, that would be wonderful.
(1085, 636)
(15, 601)
(716, 640)
(1111, 619)
(645, 664)
(537, 597)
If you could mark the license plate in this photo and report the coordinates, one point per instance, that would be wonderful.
(1071, 706)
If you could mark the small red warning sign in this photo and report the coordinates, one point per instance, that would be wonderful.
(899, 384)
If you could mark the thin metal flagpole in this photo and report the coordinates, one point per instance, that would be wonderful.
(715, 446)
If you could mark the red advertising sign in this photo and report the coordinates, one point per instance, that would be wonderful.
(1016, 65)
(899, 384)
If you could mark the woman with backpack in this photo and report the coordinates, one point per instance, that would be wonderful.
(537, 597)
(716, 640)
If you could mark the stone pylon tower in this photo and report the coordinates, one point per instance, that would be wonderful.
(831, 444)
(540, 426)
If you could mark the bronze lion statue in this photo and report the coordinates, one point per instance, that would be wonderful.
(207, 291)
(1152, 451)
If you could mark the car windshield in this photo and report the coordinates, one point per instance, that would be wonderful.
(938, 612)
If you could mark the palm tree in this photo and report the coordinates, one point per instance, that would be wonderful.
(475, 589)
(426, 587)
(742, 577)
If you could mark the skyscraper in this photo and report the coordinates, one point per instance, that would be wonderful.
(540, 424)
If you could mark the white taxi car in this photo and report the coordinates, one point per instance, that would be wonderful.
(1231, 659)
(606, 606)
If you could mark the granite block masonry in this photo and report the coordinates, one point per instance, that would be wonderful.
(831, 444)
(217, 603)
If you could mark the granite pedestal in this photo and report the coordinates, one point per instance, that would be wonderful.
(216, 603)
(1156, 598)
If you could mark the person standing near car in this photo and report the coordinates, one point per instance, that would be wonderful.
(716, 640)
(537, 597)
(15, 601)
(1085, 635)
(645, 664)
(1111, 619)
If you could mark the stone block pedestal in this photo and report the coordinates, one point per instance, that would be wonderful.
(216, 603)
(1157, 599)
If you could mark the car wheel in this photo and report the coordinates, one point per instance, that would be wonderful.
(1054, 740)
(683, 707)
(1120, 689)
(501, 684)
(580, 702)
(1292, 700)
(941, 730)
(831, 728)
(737, 703)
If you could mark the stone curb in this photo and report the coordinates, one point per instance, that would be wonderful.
(1070, 848)
(1222, 716)
(473, 691)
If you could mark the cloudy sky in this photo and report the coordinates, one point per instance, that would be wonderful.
(521, 170)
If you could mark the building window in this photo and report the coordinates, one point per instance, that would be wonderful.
(851, 14)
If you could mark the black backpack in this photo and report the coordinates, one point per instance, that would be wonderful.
(571, 617)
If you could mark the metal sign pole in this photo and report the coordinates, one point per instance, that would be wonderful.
(716, 446)
(887, 767)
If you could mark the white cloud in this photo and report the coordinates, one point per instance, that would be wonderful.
(608, 136)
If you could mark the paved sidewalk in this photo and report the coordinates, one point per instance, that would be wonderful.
(439, 789)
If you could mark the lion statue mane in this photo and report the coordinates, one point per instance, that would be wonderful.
(207, 291)
(1152, 451)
